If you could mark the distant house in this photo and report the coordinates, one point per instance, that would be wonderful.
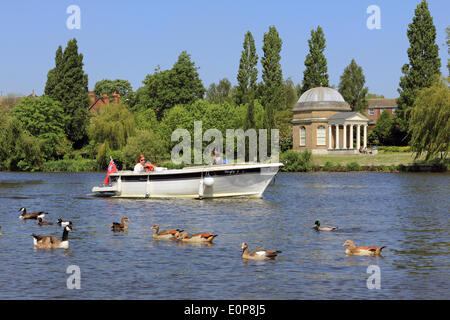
(377, 106)
(97, 103)
(32, 95)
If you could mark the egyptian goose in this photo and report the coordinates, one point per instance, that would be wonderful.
(165, 235)
(42, 223)
(1, 231)
(64, 223)
(198, 237)
(361, 251)
(318, 227)
(32, 215)
(258, 255)
(120, 226)
(48, 242)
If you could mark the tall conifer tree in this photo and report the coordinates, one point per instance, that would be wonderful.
(315, 74)
(273, 98)
(351, 87)
(53, 76)
(68, 84)
(247, 73)
(424, 64)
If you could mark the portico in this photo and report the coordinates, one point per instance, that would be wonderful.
(345, 130)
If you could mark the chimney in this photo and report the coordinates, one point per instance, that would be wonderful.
(116, 97)
(92, 97)
(106, 98)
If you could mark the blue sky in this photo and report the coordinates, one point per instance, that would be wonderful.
(129, 39)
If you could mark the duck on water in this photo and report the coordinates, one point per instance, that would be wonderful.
(48, 242)
(32, 215)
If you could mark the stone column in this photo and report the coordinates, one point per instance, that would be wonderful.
(358, 137)
(329, 136)
(365, 136)
(344, 143)
(337, 137)
(351, 137)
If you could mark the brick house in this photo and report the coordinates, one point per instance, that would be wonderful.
(377, 106)
(96, 103)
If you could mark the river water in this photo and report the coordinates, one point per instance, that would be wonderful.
(407, 212)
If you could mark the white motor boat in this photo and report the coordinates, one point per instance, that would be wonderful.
(214, 181)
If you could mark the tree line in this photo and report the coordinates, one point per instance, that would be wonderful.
(38, 133)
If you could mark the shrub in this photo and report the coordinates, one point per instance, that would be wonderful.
(395, 149)
(329, 166)
(354, 166)
(296, 161)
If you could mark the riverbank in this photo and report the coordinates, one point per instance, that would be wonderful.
(295, 162)
(381, 162)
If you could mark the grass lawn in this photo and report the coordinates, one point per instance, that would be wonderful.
(387, 159)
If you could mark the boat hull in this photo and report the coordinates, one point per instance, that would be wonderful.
(194, 182)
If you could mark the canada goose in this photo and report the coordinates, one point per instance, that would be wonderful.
(42, 223)
(165, 235)
(64, 223)
(258, 255)
(361, 251)
(33, 215)
(198, 237)
(48, 242)
(323, 228)
(120, 226)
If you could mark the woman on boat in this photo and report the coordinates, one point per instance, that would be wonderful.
(139, 167)
(142, 166)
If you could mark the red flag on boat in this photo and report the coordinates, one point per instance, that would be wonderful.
(111, 168)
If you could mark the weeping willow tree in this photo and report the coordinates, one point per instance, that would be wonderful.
(429, 124)
(109, 129)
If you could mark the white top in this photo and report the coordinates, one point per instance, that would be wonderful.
(138, 168)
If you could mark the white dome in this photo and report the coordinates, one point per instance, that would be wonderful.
(321, 95)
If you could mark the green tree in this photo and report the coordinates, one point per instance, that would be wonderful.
(290, 93)
(122, 87)
(374, 96)
(19, 151)
(382, 133)
(448, 49)
(219, 93)
(165, 89)
(424, 64)
(429, 124)
(8, 102)
(40, 115)
(54, 75)
(315, 74)
(44, 118)
(247, 73)
(351, 87)
(273, 98)
(68, 84)
(109, 129)
(145, 142)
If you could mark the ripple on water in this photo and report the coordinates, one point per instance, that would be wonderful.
(391, 209)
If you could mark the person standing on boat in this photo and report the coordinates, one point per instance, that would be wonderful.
(139, 167)
(216, 159)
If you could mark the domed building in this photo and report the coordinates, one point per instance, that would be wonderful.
(324, 123)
